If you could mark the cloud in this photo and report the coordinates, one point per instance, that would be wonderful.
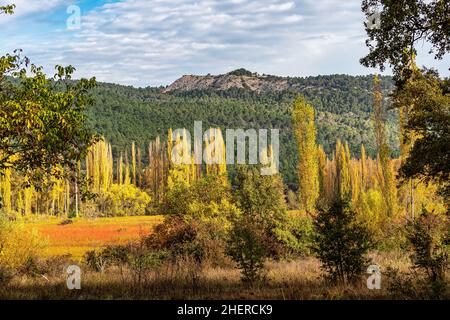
(153, 42)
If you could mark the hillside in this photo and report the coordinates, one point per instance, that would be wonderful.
(247, 80)
(343, 109)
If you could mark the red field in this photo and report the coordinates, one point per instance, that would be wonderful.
(83, 234)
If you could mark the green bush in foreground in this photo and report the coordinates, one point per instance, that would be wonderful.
(341, 242)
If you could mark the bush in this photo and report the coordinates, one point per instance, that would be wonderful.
(6, 275)
(198, 222)
(137, 257)
(123, 200)
(200, 235)
(261, 200)
(297, 235)
(430, 254)
(17, 244)
(248, 247)
(341, 242)
(96, 260)
(262, 231)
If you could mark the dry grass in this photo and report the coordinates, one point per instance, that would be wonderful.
(290, 280)
(299, 279)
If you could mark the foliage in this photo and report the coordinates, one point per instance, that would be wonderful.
(403, 25)
(42, 122)
(258, 233)
(343, 106)
(297, 236)
(9, 9)
(427, 236)
(307, 167)
(429, 122)
(248, 247)
(198, 222)
(135, 256)
(18, 245)
(341, 243)
(122, 200)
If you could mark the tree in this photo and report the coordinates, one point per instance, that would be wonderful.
(341, 243)
(386, 177)
(42, 122)
(261, 198)
(342, 184)
(427, 237)
(429, 122)
(307, 168)
(404, 24)
(254, 234)
(9, 9)
(247, 246)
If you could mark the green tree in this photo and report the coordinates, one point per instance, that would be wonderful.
(247, 246)
(341, 243)
(254, 234)
(307, 168)
(429, 122)
(403, 25)
(9, 9)
(427, 237)
(42, 122)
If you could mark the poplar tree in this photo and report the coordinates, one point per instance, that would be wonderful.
(386, 178)
(133, 162)
(343, 184)
(322, 162)
(307, 169)
(364, 173)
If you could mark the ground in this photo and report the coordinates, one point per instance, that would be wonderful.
(300, 278)
(87, 234)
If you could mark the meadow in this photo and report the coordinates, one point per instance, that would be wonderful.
(66, 243)
(81, 235)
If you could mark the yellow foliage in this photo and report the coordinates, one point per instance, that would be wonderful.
(18, 244)
(125, 199)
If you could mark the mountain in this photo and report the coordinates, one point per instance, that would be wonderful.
(241, 79)
(343, 107)
(260, 84)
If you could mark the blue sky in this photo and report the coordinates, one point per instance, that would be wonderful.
(154, 42)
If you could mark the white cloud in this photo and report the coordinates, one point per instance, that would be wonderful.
(153, 42)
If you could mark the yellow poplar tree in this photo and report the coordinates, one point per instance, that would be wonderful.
(307, 169)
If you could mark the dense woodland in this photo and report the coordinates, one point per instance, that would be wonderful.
(343, 111)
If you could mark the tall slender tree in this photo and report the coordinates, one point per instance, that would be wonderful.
(307, 169)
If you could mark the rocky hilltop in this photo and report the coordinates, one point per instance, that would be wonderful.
(241, 79)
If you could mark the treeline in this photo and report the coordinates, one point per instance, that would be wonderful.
(342, 103)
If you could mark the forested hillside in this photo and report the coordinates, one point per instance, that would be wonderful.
(343, 110)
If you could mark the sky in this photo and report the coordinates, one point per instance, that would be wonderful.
(154, 42)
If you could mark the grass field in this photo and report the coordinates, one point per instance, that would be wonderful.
(87, 234)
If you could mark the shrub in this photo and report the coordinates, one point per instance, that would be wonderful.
(17, 244)
(198, 222)
(248, 247)
(137, 257)
(122, 200)
(341, 242)
(6, 275)
(97, 260)
(261, 200)
(297, 235)
(430, 254)
(262, 230)
(200, 234)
